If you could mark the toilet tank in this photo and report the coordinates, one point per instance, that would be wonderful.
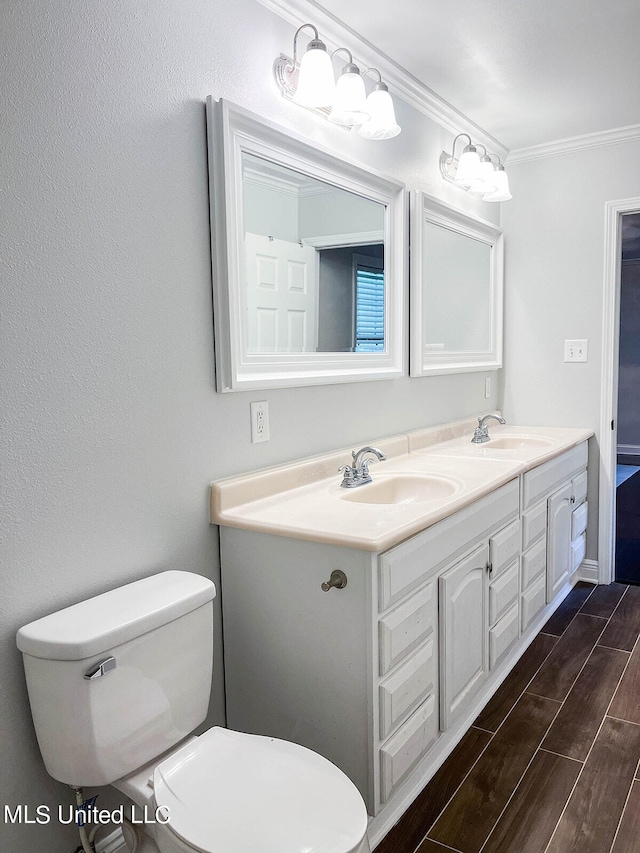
(149, 648)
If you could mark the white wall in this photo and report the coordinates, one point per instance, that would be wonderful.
(554, 262)
(112, 429)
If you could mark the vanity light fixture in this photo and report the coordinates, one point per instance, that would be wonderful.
(478, 175)
(310, 82)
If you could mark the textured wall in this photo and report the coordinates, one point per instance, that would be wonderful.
(554, 262)
(111, 427)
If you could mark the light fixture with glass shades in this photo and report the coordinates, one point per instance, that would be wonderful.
(310, 82)
(474, 173)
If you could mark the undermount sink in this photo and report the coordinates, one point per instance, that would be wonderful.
(517, 442)
(402, 490)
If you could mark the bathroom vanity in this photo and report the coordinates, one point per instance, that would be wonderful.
(454, 555)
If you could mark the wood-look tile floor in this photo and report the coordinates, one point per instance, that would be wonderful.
(552, 764)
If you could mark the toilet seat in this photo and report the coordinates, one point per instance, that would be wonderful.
(230, 792)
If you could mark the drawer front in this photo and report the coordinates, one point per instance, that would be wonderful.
(534, 563)
(548, 477)
(407, 687)
(534, 524)
(578, 550)
(403, 629)
(407, 746)
(532, 601)
(580, 487)
(504, 547)
(408, 565)
(579, 520)
(503, 635)
(503, 593)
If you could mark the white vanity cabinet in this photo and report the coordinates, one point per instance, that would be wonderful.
(554, 519)
(383, 676)
(370, 674)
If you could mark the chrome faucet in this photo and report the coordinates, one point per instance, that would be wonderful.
(358, 473)
(482, 430)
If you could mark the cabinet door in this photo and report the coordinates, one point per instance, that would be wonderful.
(464, 629)
(559, 555)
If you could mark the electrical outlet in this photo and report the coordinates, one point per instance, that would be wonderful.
(259, 422)
(575, 350)
(487, 387)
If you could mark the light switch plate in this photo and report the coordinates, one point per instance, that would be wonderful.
(575, 350)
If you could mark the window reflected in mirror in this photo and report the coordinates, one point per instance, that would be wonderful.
(313, 263)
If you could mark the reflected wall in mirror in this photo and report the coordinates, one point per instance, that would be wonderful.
(310, 254)
(456, 290)
(309, 259)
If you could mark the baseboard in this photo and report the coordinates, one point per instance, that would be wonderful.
(628, 450)
(587, 571)
(112, 843)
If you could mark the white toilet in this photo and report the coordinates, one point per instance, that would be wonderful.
(118, 683)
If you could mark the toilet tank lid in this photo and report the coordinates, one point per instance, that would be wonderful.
(105, 621)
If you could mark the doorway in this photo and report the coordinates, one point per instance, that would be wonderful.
(622, 221)
(627, 553)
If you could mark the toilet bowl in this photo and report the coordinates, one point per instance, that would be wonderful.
(118, 683)
(230, 792)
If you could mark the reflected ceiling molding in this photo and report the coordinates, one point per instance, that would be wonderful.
(405, 85)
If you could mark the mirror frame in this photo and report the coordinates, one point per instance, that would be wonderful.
(232, 130)
(426, 208)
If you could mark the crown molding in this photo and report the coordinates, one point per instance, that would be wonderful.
(335, 33)
(575, 143)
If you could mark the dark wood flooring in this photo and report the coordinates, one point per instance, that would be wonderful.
(552, 764)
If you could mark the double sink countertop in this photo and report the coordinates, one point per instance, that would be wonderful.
(428, 475)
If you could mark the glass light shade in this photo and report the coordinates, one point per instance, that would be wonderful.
(316, 83)
(485, 181)
(382, 123)
(468, 165)
(502, 191)
(349, 104)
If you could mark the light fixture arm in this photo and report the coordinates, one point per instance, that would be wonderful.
(453, 147)
(316, 37)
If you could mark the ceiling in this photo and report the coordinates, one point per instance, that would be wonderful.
(527, 72)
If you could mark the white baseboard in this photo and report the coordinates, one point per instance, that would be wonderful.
(587, 571)
(112, 843)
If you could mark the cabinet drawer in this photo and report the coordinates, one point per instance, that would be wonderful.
(546, 478)
(503, 592)
(534, 563)
(405, 688)
(503, 635)
(580, 487)
(407, 746)
(578, 550)
(534, 524)
(407, 626)
(579, 520)
(532, 601)
(504, 547)
(408, 565)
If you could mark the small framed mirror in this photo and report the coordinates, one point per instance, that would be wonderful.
(308, 259)
(456, 290)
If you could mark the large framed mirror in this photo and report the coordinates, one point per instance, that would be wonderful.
(456, 289)
(309, 267)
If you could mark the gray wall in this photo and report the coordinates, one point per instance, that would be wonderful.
(112, 429)
(554, 260)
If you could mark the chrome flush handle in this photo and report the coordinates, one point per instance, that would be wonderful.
(101, 668)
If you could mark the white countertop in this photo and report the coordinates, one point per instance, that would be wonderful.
(304, 500)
